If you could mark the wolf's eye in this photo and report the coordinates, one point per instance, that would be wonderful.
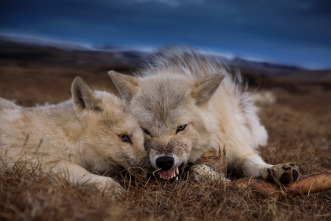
(146, 131)
(125, 138)
(180, 128)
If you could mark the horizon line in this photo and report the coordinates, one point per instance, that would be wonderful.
(27, 38)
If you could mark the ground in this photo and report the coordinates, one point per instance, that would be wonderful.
(299, 127)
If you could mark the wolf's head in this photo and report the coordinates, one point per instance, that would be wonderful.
(173, 112)
(112, 137)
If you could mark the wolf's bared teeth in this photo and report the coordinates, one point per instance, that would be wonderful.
(176, 178)
(177, 171)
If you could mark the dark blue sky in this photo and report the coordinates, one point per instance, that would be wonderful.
(285, 31)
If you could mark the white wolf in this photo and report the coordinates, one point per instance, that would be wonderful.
(187, 104)
(92, 132)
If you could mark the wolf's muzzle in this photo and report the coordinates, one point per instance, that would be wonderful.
(165, 162)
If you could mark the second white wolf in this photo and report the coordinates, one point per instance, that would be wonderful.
(91, 133)
(187, 105)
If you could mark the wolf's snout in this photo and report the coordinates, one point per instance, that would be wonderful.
(165, 162)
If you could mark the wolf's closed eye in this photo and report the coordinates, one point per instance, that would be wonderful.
(125, 138)
(181, 127)
(146, 131)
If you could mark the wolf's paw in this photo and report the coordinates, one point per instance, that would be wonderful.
(204, 172)
(110, 187)
(281, 173)
(116, 189)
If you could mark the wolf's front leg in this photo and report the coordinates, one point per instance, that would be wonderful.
(76, 174)
(253, 165)
(210, 167)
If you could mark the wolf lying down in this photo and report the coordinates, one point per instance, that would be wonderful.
(182, 105)
(92, 132)
(187, 104)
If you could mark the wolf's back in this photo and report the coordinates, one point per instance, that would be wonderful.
(185, 61)
(6, 104)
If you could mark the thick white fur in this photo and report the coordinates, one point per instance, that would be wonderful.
(74, 138)
(176, 87)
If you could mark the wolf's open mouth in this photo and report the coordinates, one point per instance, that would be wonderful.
(169, 174)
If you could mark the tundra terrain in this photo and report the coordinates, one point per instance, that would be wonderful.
(296, 111)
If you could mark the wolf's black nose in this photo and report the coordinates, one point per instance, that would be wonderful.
(165, 162)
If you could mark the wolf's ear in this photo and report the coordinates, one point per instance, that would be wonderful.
(83, 97)
(205, 87)
(126, 85)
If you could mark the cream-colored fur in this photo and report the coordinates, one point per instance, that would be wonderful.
(91, 133)
(184, 89)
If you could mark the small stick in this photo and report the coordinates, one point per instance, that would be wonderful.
(305, 185)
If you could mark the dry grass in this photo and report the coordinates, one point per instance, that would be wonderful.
(28, 195)
(299, 126)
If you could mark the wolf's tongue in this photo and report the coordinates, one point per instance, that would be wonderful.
(167, 174)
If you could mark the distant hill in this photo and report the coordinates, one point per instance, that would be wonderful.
(70, 55)
(74, 55)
